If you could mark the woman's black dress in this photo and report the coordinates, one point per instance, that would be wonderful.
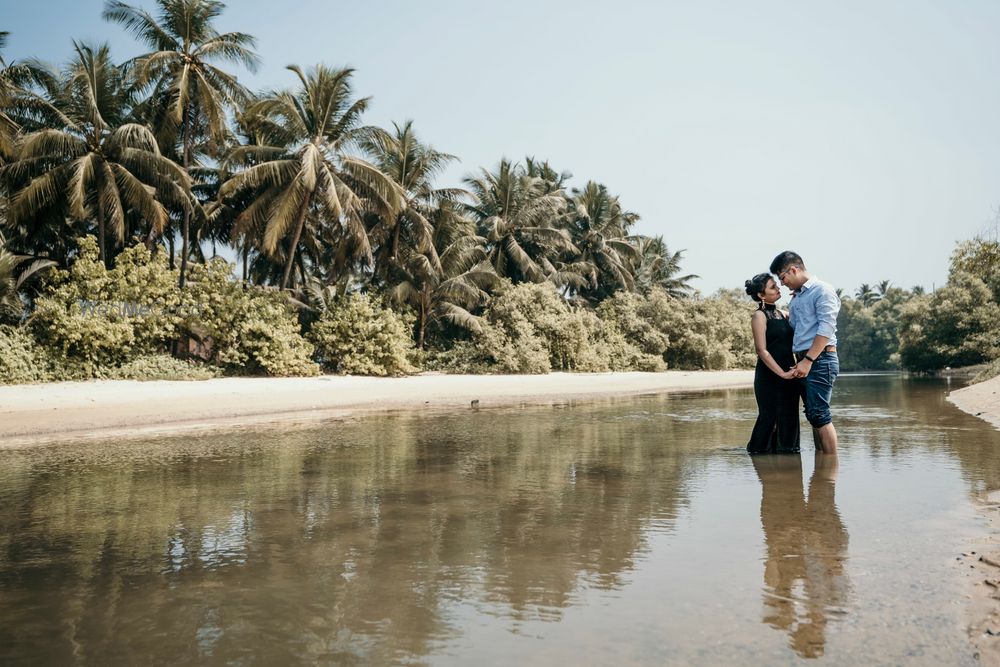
(777, 427)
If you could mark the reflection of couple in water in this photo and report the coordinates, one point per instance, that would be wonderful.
(796, 356)
(805, 577)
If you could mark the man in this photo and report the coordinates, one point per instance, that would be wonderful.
(813, 316)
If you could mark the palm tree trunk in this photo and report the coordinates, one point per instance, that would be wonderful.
(302, 269)
(186, 229)
(246, 255)
(295, 242)
(423, 328)
(100, 230)
(425, 306)
(173, 256)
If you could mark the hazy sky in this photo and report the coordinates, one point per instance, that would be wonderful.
(862, 134)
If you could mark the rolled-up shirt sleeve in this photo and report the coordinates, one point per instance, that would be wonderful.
(827, 308)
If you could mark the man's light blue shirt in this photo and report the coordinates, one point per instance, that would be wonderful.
(813, 312)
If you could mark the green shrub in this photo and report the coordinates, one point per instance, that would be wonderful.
(632, 315)
(92, 317)
(22, 360)
(991, 371)
(357, 335)
(956, 326)
(92, 320)
(710, 334)
(248, 329)
(531, 329)
(162, 367)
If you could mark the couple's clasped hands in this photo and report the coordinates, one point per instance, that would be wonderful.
(799, 370)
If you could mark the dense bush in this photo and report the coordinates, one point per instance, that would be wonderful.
(249, 329)
(868, 335)
(991, 371)
(22, 360)
(162, 367)
(357, 335)
(956, 326)
(530, 328)
(979, 257)
(91, 320)
(92, 317)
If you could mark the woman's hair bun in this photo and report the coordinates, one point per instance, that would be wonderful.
(756, 285)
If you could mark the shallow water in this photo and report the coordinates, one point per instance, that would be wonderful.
(628, 532)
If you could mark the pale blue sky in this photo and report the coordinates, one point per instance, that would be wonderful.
(864, 135)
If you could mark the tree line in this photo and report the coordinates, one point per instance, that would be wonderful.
(170, 151)
(884, 327)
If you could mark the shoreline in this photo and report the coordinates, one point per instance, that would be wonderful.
(979, 400)
(982, 565)
(72, 411)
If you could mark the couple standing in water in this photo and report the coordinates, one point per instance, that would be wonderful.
(796, 357)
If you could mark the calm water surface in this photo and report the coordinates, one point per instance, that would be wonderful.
(624, 532)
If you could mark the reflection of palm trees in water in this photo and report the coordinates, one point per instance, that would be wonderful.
(805, 579)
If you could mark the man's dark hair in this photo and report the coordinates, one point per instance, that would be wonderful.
(785, 260)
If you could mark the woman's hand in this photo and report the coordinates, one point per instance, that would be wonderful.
(788, 375)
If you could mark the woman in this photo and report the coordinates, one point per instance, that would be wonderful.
(776, 390)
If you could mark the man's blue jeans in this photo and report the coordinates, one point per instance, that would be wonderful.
(817, 388)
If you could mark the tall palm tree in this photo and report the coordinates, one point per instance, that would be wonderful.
(658, 267)
(454, 287)
(8, 89)
(21, 108)
(413, 166)
(304, 172)
(600, 229)
(105, 169)
(520, 216)
(181, 70)
(882, 288)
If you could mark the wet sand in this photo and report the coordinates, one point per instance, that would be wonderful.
(981, 562)
(981, 400)
(34, 414)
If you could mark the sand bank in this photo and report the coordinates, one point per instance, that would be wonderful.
(33, 414)
(981, 562)
(981, 400)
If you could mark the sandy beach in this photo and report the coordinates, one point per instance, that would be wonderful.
(982, 563)
(981, 400)
(34, 414)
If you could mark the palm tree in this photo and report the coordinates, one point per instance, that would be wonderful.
(451, 289)
(12, 278)
(181, 71)
(102, 167)
(8, 89)
(882, 289)
(600, 230)
(413, 166)
(658, 267)
(866, 295)
(21, 108)
(304, 173)
(520, 216)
